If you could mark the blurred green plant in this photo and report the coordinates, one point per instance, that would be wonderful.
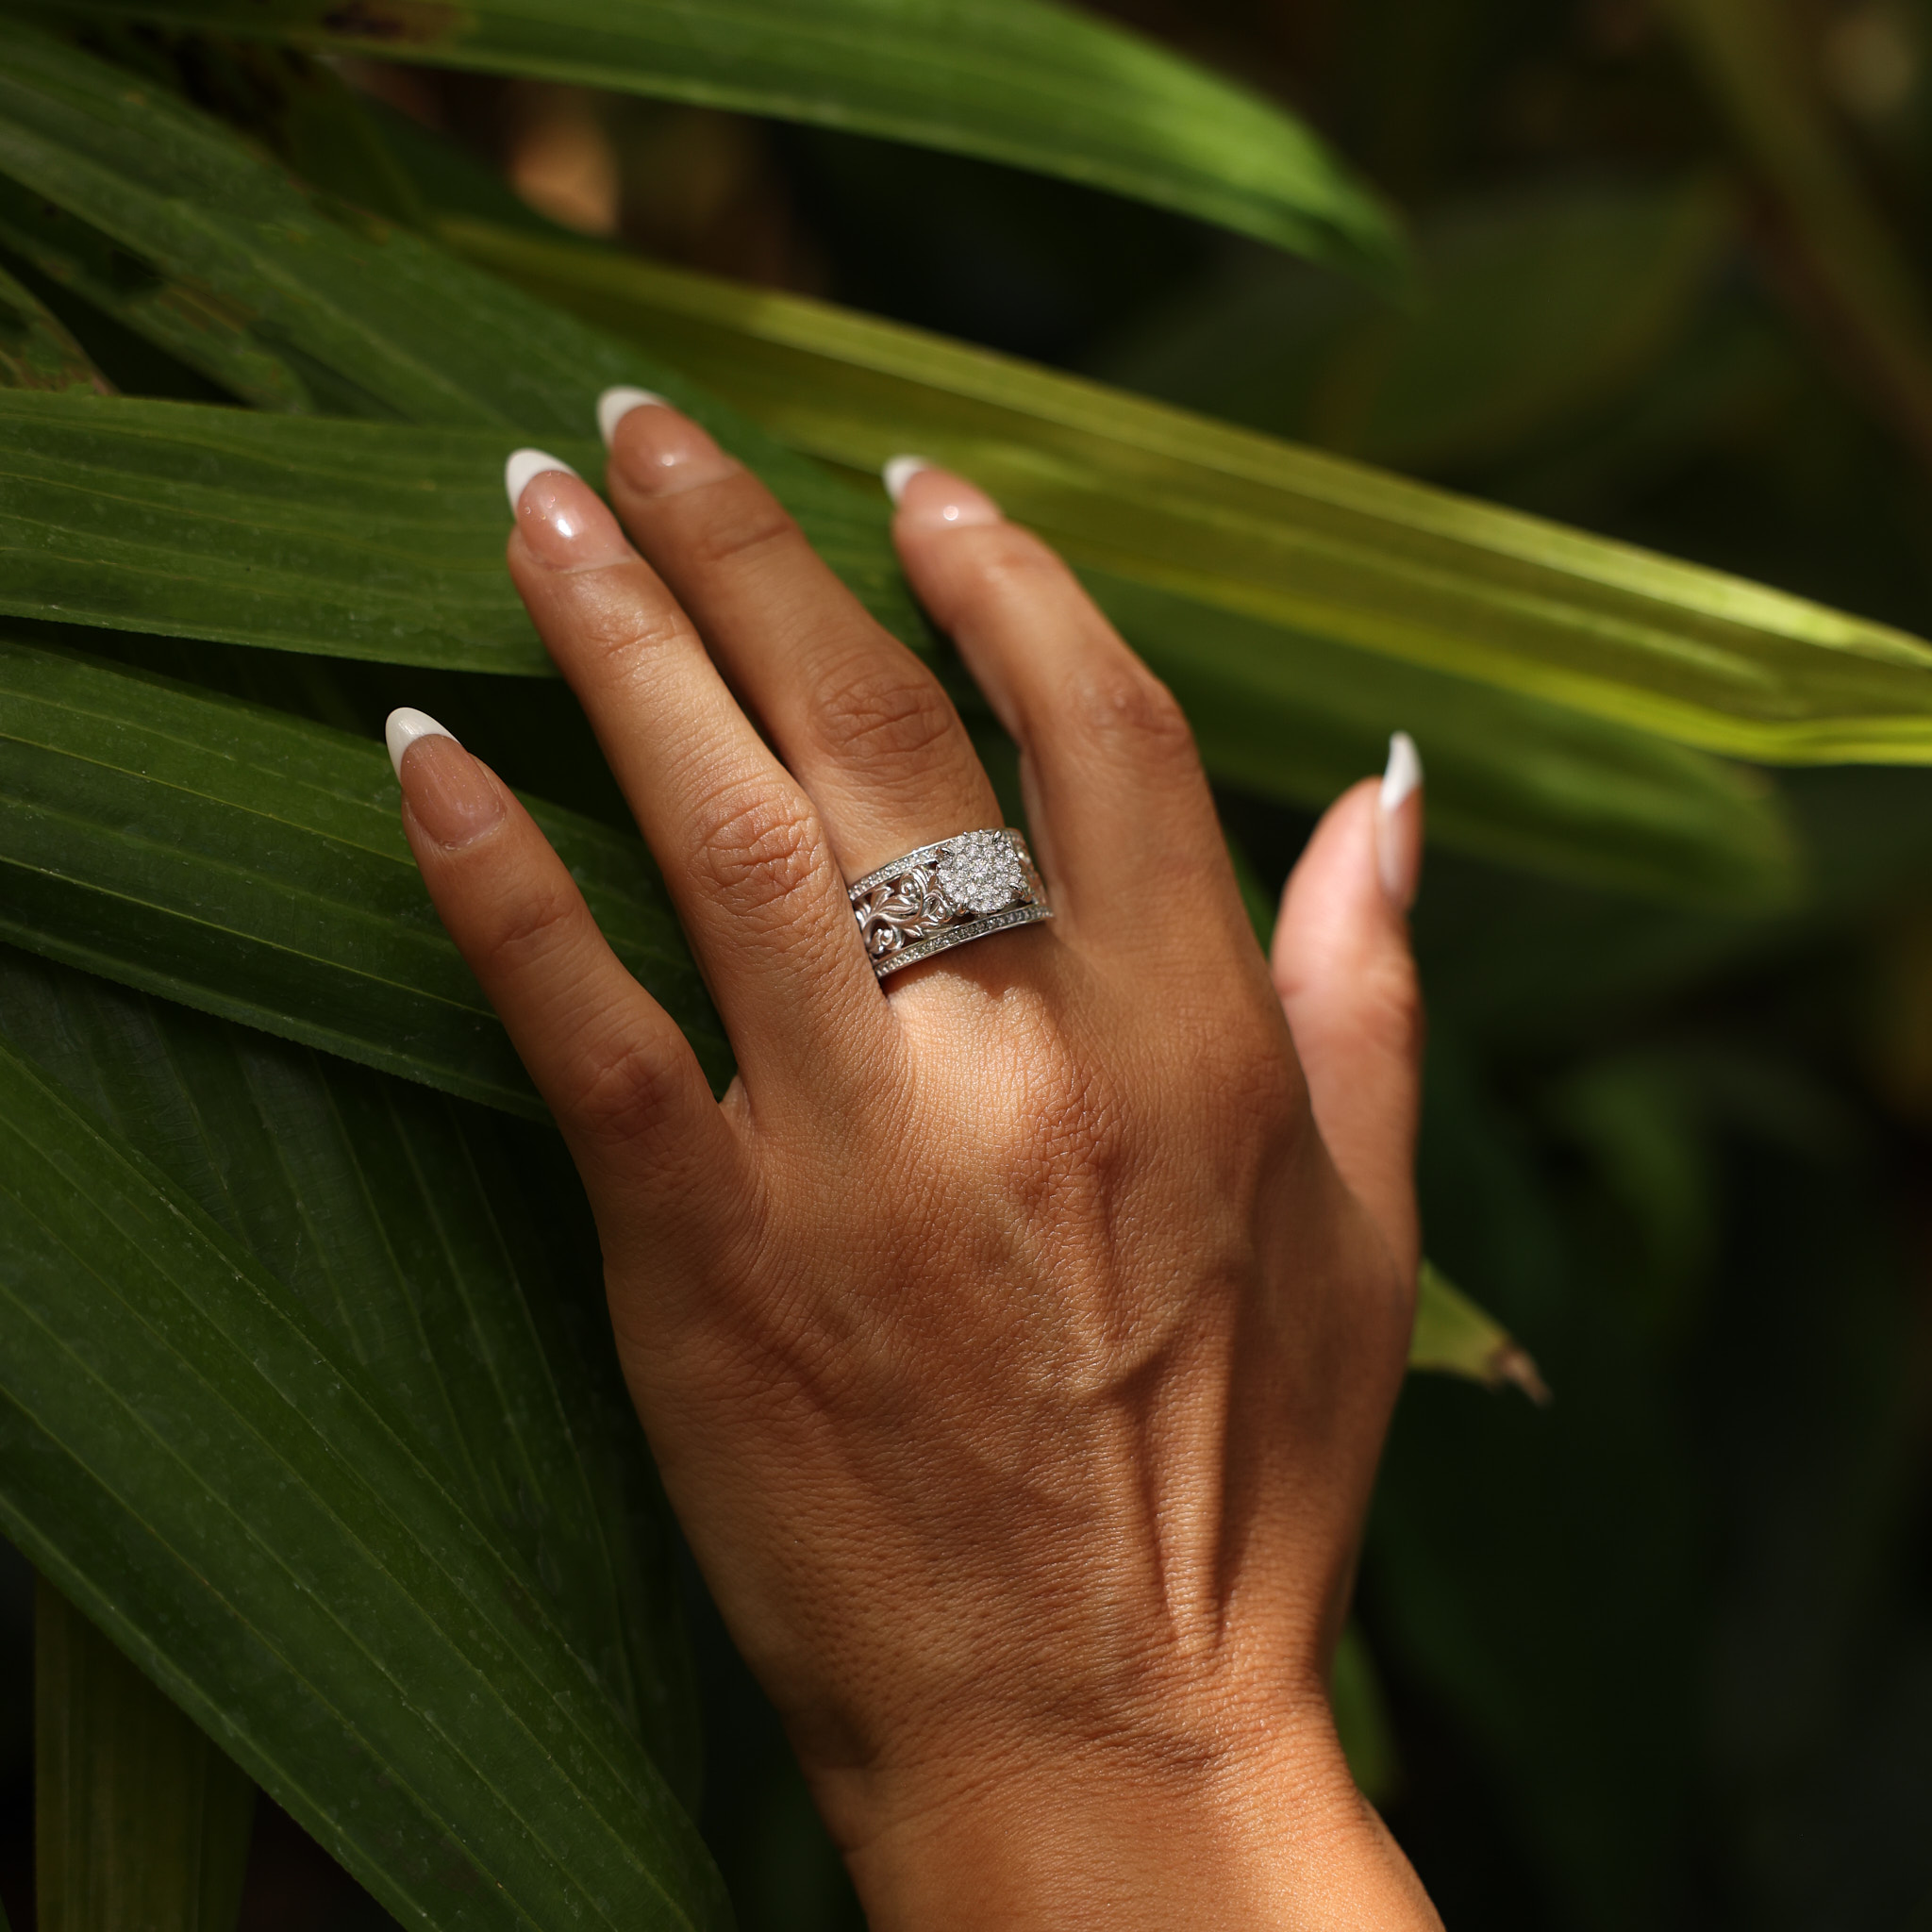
(142, 1820)
(287, 1247)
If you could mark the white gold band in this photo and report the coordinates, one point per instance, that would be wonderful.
(942, 895)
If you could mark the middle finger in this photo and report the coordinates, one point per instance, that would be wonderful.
(861, 721)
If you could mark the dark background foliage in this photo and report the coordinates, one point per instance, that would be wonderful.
(1662, 1654)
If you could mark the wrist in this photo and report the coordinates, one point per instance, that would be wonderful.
(1233, 1833)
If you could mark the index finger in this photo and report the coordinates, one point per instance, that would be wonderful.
(619, 1077)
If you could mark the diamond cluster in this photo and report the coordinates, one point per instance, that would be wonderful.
(943, 895)
(981, 873)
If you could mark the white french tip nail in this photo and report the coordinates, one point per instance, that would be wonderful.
(900, 472)
(614, 404)
(1404, 774)
(523, 465)
(404, 729)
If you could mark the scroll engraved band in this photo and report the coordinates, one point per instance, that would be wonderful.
(945, 894)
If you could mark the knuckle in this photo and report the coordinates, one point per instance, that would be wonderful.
(731, 520)
(1007, 554)
(1006, 570)
(1394, 997)
(533, 923)
(1232, 1065)
(886, 715)
(758, 850)
(1379, 1009)
(621, 1095)
(1068, 1130)
(1127, 711)
(621, 632)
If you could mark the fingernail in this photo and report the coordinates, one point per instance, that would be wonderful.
(450, 795)
(667, 453)
(404, 729)
(900, 471)
(563, 520)
(523, 466)
(936, 498)
(1399, 823)
(614, 404)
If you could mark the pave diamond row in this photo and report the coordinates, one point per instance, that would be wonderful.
(957, 936)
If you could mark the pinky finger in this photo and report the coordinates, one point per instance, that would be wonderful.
(619, 1077)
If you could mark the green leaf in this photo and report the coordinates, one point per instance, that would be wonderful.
(1453, 1337)
(1310, 544)
(253, 865)
(135, 163)
(360, 539)
(1293, 702)
(1024, 82)
(300, 110)
(35, 350)
(165, 219)
(450, 1254)
(206, 1474)
(1755, 56)
(1511, 779)
(348, 539)
(1536, 310)
(139, 1821)
(340, 538)
(1362, 1718)
(1258, 902)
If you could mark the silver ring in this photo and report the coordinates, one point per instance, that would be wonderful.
(942, 895)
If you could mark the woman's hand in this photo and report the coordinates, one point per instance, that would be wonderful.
(1016, 1343)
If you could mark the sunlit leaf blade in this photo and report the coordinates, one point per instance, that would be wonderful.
(1763, 76)
(451, 1257)
(253, 866)
(1453, 1337)
(35, 350)
(200, 1470)
(161, 216)
(1289, 706)
(1511, 778)
(1024, 82)
(1309, 543)
(139, 1821)
(361, 539)
(133, 145)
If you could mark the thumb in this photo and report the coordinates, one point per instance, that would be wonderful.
(1347, 981)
